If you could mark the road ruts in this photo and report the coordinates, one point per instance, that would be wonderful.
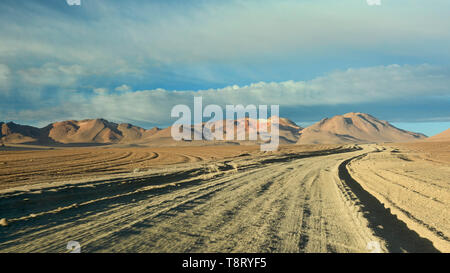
(293, 206)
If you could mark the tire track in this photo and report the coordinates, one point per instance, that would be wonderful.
(385, 225)
(275, 203)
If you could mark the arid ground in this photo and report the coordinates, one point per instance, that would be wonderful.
(303, 198)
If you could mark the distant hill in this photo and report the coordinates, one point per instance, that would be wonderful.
(444, 136)
(15, 133)
(355, 128)
(348, 128)
(289, 132)
(91, 131)
(95, 131)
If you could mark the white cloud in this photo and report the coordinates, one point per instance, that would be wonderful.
(123, 88)
(392, 83)
(5, 73)
(51, 74)
(100, 91)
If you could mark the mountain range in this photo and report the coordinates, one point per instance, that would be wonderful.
(340, 129)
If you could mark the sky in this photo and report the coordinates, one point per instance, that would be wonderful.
(132, 61)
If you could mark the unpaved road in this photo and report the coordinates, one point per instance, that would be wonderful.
(416, 189)
(266, 203)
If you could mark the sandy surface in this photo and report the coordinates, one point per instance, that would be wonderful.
(413, 180)
(27, 167)
(227, 199)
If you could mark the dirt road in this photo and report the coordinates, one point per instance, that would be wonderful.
(265, 203)
(413, 187)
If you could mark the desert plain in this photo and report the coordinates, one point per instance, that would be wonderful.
(382, 197)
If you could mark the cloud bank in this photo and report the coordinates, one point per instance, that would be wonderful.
(392, 85)
(4, 77)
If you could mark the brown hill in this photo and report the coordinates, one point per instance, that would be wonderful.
(91, 131)
(354, 128)
(15, 133)
(444, 136)
(95, 131)
(289, 132)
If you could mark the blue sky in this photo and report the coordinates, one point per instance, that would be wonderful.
(131, 61)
